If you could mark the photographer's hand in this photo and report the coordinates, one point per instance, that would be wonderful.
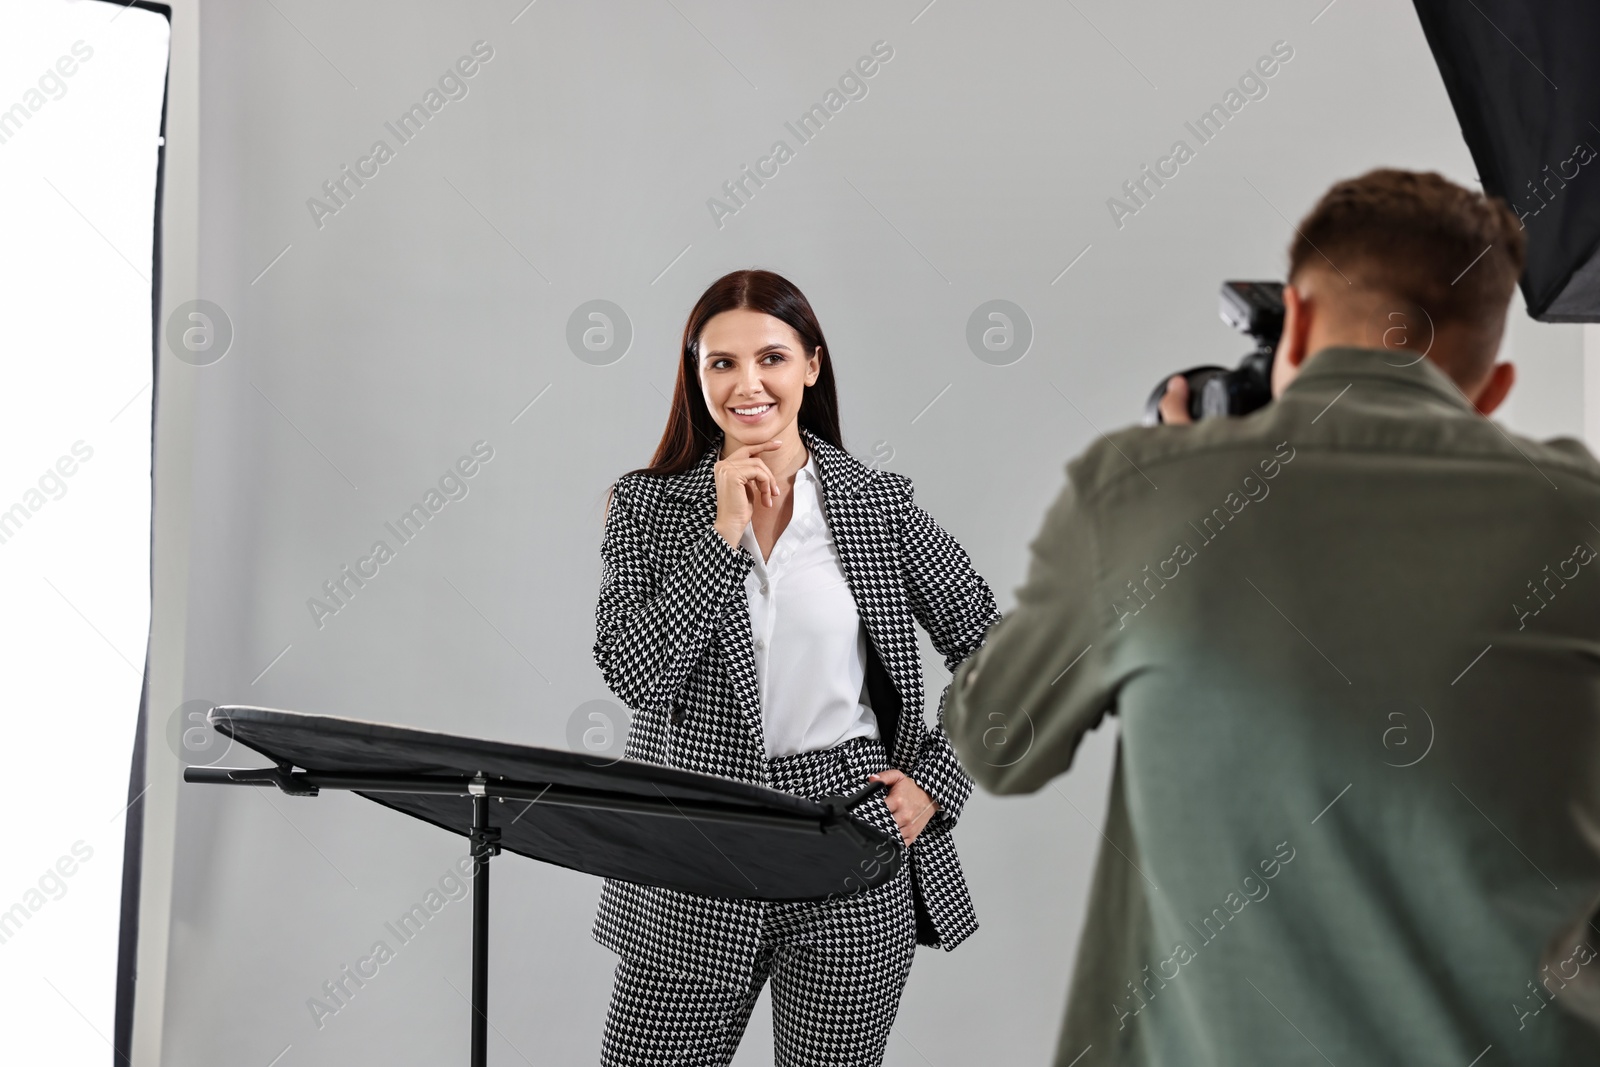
(1175, 401)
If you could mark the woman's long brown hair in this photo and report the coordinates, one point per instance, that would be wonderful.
(690, 427)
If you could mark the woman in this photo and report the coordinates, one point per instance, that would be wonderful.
(757, 598)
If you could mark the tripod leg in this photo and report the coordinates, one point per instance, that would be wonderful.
(482, 849)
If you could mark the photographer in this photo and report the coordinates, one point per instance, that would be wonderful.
(1353, 640)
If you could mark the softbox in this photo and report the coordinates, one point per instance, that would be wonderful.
(1524, 81)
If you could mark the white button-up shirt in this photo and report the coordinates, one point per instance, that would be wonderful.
(810, 645)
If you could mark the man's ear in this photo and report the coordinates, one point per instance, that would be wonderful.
(1492, 393)
(1292, 343)
(1297, 315)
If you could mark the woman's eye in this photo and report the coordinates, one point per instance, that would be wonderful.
(720, 364)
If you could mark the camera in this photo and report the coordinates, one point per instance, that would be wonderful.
(1252, 308)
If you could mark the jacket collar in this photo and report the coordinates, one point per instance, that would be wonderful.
(841, 474)
(1330, 370)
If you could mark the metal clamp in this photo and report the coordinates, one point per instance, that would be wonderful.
(485, 842)
(283, 777)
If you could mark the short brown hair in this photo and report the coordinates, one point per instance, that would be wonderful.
(1418, 236)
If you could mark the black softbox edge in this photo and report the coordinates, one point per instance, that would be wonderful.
(1493, 179)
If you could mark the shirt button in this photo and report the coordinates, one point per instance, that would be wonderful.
(760, 644)
(763, 588)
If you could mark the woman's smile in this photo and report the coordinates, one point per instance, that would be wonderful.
(753, 412)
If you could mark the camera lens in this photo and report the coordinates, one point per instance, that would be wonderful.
(1215, 397)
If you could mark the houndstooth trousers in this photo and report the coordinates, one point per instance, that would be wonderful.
(837, 966)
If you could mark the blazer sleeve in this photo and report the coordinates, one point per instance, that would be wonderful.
(1043, 679)
(956, 606)
(648, 637)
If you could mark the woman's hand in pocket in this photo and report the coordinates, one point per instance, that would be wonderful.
(910, 805)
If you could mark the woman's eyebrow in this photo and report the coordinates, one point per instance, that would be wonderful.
(775, 346)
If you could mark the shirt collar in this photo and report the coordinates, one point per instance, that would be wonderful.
(834, 471)
(809, 469)
(1332, 369)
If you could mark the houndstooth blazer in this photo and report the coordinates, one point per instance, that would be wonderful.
(672, 638)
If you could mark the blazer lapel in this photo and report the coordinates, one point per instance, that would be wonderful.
(695, 491)
(867, 553)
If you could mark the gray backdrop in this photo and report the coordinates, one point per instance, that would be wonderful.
(374, 345)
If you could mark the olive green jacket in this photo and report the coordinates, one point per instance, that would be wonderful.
(1353, 642)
